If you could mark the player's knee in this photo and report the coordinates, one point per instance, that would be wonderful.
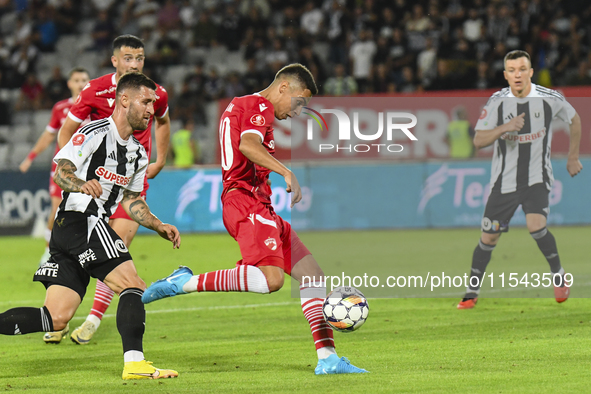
(275, 282)
(490, 239)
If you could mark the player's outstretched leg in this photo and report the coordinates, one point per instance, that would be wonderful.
(480, 259)
(312, 295)
(182, 281)
(102, 299)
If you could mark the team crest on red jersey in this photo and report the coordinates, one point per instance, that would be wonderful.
(257, 120)
(271, 243)
(483, 114)
(78, 139)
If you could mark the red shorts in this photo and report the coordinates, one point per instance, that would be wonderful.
(54, 189)
(260, 232)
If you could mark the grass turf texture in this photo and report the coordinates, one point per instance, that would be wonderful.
(251, 343)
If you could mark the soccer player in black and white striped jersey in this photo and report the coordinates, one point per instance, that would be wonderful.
(518, 120)
(102, 165)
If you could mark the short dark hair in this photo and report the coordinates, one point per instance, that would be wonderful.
(301, 74)
(127, 40)
(133, 80)
(516, 54)
(77, 70)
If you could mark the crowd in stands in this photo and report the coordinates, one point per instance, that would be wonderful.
(351, 46)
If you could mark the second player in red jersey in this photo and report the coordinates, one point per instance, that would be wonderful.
(270, 248)
(97, 100)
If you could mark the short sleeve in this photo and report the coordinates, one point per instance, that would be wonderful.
(161, 102)
(488, 117)
(82, 107)
(55, 122)
(136, 184)
(565, 111)
(80, 148)
(256, 119)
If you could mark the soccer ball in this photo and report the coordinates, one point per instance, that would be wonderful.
(345, 309)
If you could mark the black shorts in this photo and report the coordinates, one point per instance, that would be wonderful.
(501, 207)
(81, 246)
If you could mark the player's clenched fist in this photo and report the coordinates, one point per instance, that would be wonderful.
(92, 188)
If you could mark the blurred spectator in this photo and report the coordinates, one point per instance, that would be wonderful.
(340, 84)
(311, 19)
(262, 6)
(459, 135)
(103, 30)
(145, 13)
(205, 31)
(252, 79)
(408, 82)
(361, 54)
(23, 30)
(277, 57)
(188, 15)
(103, 5)
(418, 22)
(56, 88)
(183, 147)
(233, 86)
(31, 94)
(5, 113)
(472, 26)
(168, 49)
(214, 86)
(426, 63)
(231, 29)
(387, 23)
(514, 36)
(67, 16)
(498, 22)
(381, 81)
(582, 77)
(311, 60)
(337, 27)
(482, 79)
(46, 33)
(23, 61)
(169, 16)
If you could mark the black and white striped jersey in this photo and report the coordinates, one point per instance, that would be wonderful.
(98, 152)
(522, 159)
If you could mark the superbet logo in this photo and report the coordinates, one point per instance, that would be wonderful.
(112, 177)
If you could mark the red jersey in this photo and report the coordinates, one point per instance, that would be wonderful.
(97, 100)
(246, 114)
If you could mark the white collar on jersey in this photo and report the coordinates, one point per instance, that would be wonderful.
(113, 81)
(532, 93)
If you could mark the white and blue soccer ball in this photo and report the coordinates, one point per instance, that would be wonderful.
(345, 309)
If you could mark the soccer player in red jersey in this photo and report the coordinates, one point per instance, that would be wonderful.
(268, 244)
(97, 100)
(77, 79)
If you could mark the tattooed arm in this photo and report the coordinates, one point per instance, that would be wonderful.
(66, 178)
(138, 210)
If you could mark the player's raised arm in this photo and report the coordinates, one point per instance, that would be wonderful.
(484, 138)
(67, 131)
(42, 143)
(138, 210)
(573, 164)
(162, 142)
(251, 147)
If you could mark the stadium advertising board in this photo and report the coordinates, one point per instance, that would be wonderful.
(391, 121)
(24, 199)
(369, 196)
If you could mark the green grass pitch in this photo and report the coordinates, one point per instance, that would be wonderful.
(249, 343)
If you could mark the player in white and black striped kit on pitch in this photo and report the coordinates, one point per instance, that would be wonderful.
(102, 165)
(518, 120)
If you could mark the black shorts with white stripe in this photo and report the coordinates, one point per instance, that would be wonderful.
(81, 247)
